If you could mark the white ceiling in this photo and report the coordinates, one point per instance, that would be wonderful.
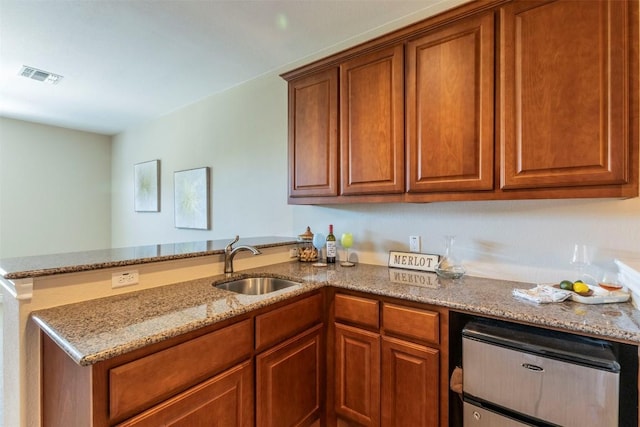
(125, 62)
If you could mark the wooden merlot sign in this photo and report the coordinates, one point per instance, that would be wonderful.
(413, 261)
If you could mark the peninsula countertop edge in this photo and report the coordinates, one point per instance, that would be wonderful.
(74, 262)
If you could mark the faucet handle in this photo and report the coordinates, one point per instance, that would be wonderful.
(230, 245)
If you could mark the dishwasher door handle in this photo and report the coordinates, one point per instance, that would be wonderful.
(533, 367)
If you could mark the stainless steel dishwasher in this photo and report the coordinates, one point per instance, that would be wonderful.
(516, 375)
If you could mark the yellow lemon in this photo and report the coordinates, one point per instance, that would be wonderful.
(580, 288)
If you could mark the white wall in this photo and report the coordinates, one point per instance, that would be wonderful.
(54, 189)
(521, 240)
(239, 135)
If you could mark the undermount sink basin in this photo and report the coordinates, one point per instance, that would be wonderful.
(256, 285)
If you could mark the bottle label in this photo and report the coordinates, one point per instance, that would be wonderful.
(331, 249)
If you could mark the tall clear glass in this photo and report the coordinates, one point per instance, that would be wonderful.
(449, 266)
(581, 263)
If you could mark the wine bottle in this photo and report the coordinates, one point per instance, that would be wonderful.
(331, 246)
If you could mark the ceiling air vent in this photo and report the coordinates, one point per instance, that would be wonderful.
(39, 75)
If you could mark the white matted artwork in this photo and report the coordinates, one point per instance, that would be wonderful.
(191, 188)
(146, 189)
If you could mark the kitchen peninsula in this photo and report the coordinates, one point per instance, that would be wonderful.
(97, 331)
(39, 282)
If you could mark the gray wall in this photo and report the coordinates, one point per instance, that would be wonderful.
(54, 189)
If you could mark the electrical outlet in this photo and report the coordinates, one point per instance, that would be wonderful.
(293, 253)
(124, 278)
(414, 243)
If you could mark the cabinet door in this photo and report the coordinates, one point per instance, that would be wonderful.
(372, 123)
(223, 401)
(357, 364)
(410, 383)
(289, 379)
(450, 80)
(313, 135)
(564, 93)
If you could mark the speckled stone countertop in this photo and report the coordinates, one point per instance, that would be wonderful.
(99, 329)
(73, 262)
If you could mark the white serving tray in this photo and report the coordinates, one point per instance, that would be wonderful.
(604, 297)
(599, 295)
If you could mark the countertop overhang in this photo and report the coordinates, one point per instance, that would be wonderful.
(100, 329)
(74, 262)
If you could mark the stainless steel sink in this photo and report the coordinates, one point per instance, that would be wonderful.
(256, 285)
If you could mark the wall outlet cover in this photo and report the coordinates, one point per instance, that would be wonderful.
(124, 278)
(414, 243)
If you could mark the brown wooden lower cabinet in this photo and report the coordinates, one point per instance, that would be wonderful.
(389, 375)
(264, 368)
(384, 364)
(289, 381)
(357, 359)
(223, 401)
(139, 384)
(164, 381)
(410, 383)
(383, 381)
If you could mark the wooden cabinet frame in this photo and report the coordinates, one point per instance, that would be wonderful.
(212, 367)
(569, 127)
(518, 168)
(313, 135)
(357, 388)
(370, 361)
(450, 103)
(411, 374)
(372, 123)
(289, 392)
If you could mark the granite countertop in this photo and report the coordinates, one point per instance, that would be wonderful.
(73, 262)
(100, 329)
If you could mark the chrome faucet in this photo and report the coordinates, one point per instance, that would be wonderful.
(230, 252)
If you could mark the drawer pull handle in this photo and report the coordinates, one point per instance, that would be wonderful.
(531, 367)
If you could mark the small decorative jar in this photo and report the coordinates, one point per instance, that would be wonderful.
(306, 251)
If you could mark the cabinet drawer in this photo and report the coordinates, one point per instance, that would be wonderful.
(138, 385)
(226, 398)
(411, 323)
(361, 311)
(285, 322)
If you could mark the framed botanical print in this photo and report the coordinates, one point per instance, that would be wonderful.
(146, 188)
(191, 198)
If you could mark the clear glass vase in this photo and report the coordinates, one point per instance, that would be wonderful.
(449, 266)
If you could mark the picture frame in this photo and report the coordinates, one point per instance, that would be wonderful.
(146, 187)
(191, 198)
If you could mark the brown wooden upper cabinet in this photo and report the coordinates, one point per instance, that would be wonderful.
(313, 135)
(372, 123)
(565, 93)
(495, 99)
(449, 97)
